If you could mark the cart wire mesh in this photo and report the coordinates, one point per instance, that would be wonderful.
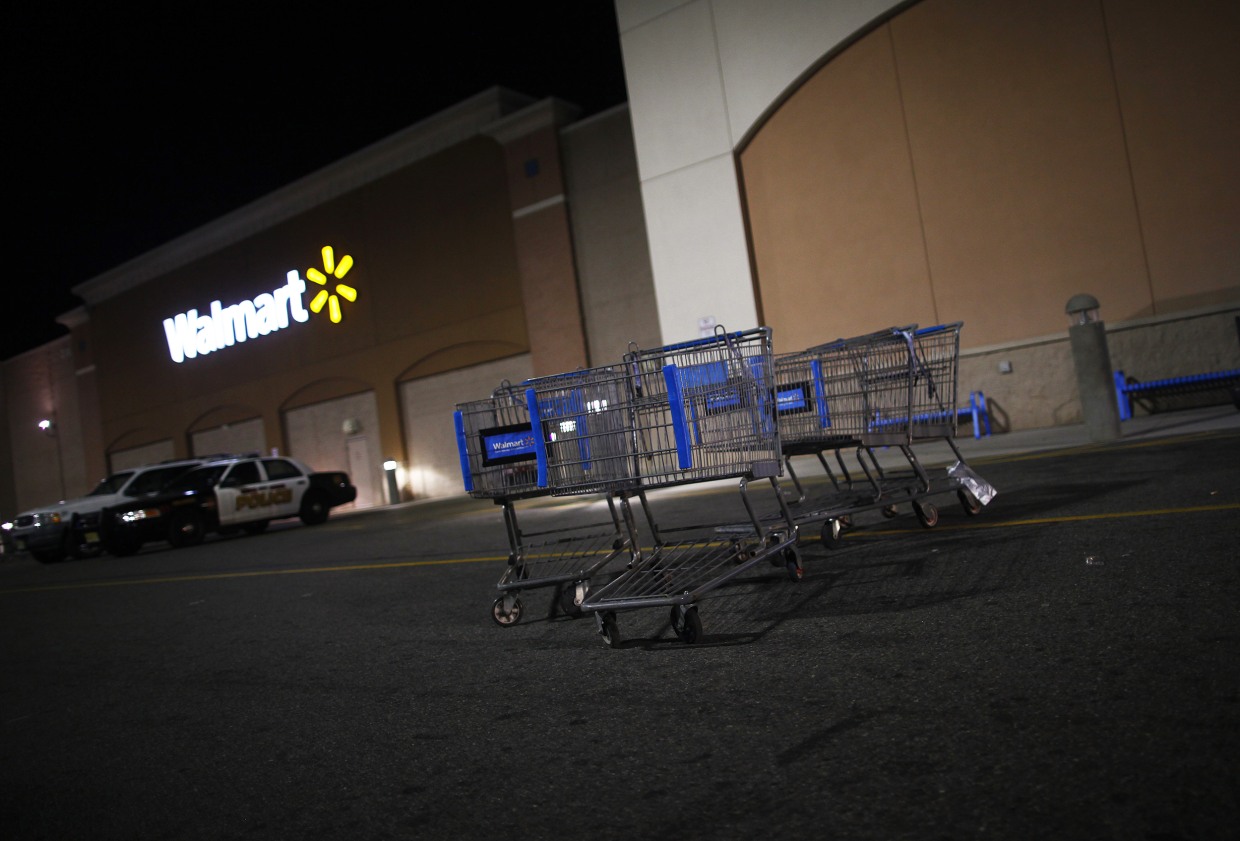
(496, 444)
(705, 410)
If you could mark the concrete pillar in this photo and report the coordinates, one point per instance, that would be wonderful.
(1092, 360)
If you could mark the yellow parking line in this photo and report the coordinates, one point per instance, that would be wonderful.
(1158, 512)
(175, 579)
(1041, 521)
(1096, 448)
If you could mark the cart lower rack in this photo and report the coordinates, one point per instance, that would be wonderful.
(688, 561)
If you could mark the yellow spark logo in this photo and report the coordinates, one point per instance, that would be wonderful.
(338, 271)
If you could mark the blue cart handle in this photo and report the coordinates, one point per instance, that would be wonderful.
(676, 403)
(938, 328)
(540, 444)
(459, 420)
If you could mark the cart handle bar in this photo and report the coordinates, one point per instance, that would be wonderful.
(540, 444)
(461, 447)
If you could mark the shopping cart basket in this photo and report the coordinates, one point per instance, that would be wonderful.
(892, 388)
(498, 453)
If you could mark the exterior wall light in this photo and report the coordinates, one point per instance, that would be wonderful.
(389, 470)
(1082, 309)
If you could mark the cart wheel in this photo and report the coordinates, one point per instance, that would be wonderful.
(971, 504)
(571, 598)
(506, 611)
(927, 513)
(890, 511)
(687, 624)
(831, 531)
(608, 629)
(774, 538)
(845, 521)
(792, 563)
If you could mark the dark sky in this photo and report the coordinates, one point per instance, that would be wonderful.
(128, 128)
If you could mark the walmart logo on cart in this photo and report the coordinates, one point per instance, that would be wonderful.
(191, 334)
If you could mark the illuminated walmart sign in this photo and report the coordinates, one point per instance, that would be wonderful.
(192, 334)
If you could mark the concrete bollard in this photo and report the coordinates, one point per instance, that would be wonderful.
(1092, 360)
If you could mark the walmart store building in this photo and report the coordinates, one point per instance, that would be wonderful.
(823, 168)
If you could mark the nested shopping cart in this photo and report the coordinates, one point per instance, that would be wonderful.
(692, 412)
(497, 446)
(892, 388)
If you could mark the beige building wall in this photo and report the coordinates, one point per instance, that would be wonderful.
(832, 207)
(543, 236)
(240, 437)
(139, 456)
(427, 405)
(42, 385)
(8, 478)
(700, 74)
(609, 236)
(342, 434)
(983, 162)
(1177, 70)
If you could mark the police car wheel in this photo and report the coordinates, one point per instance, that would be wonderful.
(71, 545)
(314, 510)
(43, 556)
(122, 548)
(186, 530)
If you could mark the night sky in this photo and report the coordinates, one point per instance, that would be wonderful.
(128, 128)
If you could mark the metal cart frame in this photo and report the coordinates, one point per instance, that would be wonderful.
(895, 387)
(690, 412)
(496, 444)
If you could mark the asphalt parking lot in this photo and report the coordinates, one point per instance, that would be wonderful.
(1064, 666)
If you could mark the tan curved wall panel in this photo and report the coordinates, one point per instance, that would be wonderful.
(833, 206)
(984, 162)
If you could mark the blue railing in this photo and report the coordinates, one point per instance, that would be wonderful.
(1124, 390)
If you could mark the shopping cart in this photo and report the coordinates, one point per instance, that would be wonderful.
(497, 446)
(692, 412)
(892, 388)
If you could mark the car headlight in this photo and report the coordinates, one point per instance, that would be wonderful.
(139, 514)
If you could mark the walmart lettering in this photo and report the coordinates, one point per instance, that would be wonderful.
(191, 334)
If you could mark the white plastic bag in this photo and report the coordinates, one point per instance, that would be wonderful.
(976, 485)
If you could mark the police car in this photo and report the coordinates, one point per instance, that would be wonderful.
(240, 493)
(70, 528)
